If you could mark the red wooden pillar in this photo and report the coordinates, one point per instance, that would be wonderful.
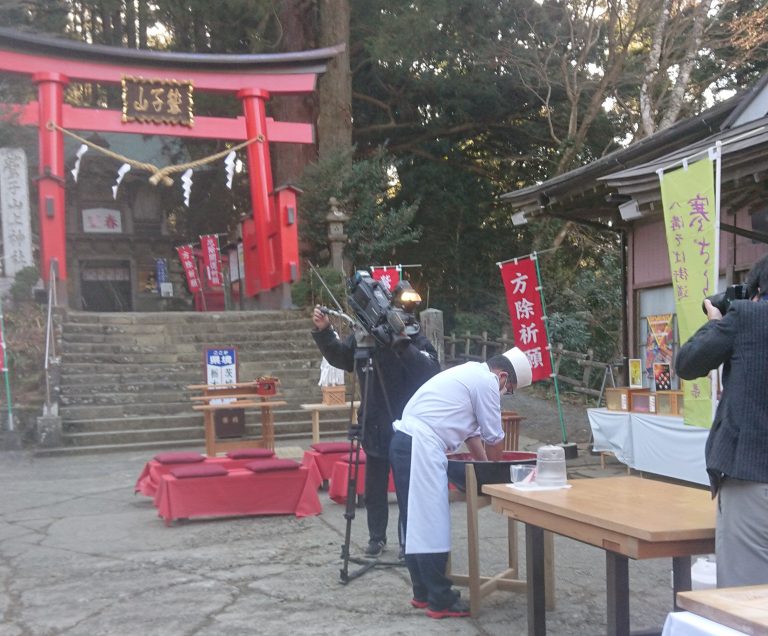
(53, 234)
(260, 239)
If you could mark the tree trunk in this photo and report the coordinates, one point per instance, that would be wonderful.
(334, 123)
(299, 32)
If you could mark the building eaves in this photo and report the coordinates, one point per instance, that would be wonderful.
(733, 143)
(583, 179)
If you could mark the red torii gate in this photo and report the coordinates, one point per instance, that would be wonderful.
(270, 236)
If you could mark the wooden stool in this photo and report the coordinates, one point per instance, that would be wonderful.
(480, 586)
(510, 422)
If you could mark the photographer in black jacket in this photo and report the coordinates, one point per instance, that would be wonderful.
(737, 446)
(388, 379)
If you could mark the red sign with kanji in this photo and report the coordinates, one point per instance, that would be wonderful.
(190, 267)
(521, 284)
(209, 246)
(389, 276)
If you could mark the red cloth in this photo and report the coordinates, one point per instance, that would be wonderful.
(149, 479)
(191, 471)
(266, 465)
(331, 447)
(239, 493)
(339, 484)
(179, 458)
(325, 461)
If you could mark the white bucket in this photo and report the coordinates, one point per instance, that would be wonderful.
(704, 573)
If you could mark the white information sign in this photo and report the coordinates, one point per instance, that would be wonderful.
(102, 221)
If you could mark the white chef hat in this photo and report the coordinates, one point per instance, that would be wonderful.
(522, 366)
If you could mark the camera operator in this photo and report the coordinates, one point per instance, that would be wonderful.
(387, 381)
(459, 405)
(737, 446)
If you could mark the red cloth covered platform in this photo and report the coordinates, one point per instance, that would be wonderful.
(241, 492)
(153, 471)
(339, 484)
(324, 456)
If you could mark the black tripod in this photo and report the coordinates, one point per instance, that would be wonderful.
(363, 356)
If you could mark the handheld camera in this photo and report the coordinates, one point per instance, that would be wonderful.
(722, 301)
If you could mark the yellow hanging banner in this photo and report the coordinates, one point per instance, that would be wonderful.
(690, 218)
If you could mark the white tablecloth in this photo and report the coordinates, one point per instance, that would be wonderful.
(612, 432)
(659, 444)
(687, 624)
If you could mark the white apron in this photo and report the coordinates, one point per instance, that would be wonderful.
(429, 515)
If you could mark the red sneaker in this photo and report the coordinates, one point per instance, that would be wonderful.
(419, 604)
(457, 610)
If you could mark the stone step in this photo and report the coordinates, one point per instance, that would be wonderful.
(290, 419)
(171, 357)
(194, 326)
(88, 384)
(181, 317)
(180, 420)
(292, 350)
(178, 433)
(250, 337)
(298, 373)
(158, 446)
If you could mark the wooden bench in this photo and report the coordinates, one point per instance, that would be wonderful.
(316, 409)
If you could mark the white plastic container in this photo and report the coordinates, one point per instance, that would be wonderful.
(704, 573)
(550, 466)
(520, 473)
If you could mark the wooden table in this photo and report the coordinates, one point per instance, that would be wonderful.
(316, 409)
(241, 395)
(742, 608)
(628, 517)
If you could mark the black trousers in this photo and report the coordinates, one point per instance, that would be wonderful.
(427, 570)
(376, 498)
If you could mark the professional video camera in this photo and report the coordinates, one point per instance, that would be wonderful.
(382, 316)
(722, 301)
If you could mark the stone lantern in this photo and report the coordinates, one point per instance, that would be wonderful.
(336, 237)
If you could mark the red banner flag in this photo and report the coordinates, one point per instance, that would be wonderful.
(521, 283)
(209, 246)
(388, 275)
(190, 267)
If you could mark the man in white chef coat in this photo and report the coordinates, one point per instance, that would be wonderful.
(459, 405)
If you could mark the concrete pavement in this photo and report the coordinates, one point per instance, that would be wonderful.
(80, 554)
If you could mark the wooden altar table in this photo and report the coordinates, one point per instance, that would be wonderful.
(241, 395)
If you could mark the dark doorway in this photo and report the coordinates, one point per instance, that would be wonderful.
(105, 285)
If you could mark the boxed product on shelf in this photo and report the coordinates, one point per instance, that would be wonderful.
(642, 401)
(620, 398)
(669, 402)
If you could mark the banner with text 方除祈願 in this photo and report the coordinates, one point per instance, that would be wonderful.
(526, 310)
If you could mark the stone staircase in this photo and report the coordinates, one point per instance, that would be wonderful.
(123, 375)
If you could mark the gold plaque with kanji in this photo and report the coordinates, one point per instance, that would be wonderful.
(157, 101)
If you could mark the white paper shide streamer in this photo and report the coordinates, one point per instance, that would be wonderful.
(330, 375)
(120, 175)
(229, 163)
(186, 185)
(80, 152)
